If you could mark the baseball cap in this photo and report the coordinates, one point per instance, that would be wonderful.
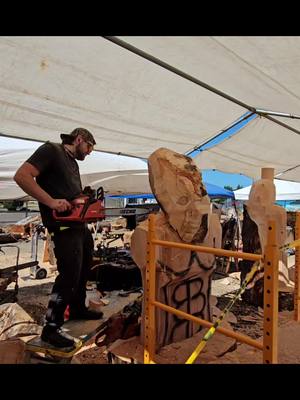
(69, 138)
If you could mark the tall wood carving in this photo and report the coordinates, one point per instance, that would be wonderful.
(259, 210)
(183, 277)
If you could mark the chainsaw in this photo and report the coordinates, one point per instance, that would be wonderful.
(90, 207)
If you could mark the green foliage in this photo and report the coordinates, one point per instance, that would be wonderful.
(227, 187)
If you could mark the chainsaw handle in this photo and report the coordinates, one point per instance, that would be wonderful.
(100, 193)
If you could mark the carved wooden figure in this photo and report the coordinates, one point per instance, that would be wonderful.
(261, 208)
(183, 277)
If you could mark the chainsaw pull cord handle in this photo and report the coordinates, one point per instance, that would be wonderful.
(100, 193)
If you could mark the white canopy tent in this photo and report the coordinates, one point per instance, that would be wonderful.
(117, 174)
(50, 85)
(260, 144)
(285, 190)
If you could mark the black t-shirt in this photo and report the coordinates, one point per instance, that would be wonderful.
(59, 177)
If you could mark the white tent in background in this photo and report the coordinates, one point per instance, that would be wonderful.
(285, 190)
(117, 174)
(50, 85)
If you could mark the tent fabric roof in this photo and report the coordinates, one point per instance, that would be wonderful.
(260, 144)
(285, 190)
(50, 85)
(257, 70)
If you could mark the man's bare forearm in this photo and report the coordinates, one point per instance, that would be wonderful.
(29, 185)
(25, 178)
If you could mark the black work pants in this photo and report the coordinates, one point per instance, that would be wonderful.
(73, 249)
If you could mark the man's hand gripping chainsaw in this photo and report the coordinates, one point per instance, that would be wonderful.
(88, 207)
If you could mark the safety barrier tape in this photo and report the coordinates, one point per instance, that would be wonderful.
(256, 267)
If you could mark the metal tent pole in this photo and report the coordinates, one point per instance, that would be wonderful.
(191, 78)
(278, 114)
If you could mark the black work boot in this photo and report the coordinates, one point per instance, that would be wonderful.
(56, 337)
(86, 314)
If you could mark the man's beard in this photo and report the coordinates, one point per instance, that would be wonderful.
(79, 154)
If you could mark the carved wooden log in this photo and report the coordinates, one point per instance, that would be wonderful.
(261, 210)
(183, 278)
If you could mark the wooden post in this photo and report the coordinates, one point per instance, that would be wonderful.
(267, 173)
(271, 265)
(297, 272)
(149, 296)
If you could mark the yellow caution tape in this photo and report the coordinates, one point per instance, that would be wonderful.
(256, 267)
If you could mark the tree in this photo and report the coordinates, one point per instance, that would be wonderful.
(228, 187)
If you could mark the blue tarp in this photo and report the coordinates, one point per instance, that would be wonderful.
(212, 190)
(218, 191)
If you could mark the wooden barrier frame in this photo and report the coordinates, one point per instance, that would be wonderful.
(269, 345)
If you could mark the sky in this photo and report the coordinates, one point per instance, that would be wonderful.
(215, 177)
(223, 179)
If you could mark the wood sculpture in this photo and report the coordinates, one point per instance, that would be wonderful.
(260, 209)
(183, 277)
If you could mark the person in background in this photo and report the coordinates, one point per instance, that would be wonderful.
(51, 176)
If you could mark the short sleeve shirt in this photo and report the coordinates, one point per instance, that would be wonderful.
(58, 175)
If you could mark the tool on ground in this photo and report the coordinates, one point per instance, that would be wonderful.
(256, 267)
(90, 207)
(121, 325)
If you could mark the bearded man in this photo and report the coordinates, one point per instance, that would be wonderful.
(51, 176)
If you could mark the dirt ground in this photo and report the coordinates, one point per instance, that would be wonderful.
(33, 297)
